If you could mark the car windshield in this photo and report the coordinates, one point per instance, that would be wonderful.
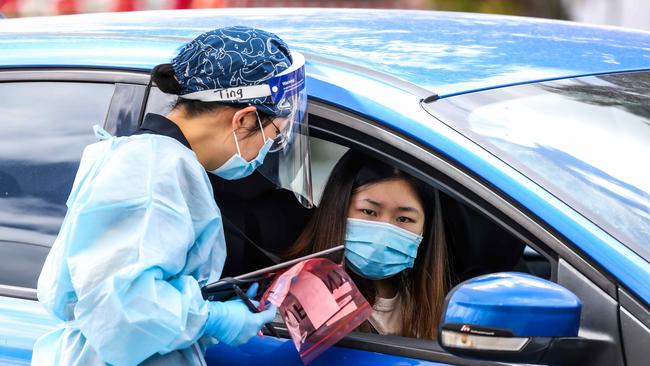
(585, 140)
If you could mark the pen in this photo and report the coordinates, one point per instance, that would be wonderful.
(253, 309)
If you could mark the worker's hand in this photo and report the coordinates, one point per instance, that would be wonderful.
(232, 323)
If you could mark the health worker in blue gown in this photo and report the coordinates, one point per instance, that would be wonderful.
(143, 234)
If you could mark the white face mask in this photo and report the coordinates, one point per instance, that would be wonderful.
(237, 167)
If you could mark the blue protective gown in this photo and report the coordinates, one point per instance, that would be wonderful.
(141, 236)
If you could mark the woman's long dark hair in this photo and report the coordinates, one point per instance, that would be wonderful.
(423, 287)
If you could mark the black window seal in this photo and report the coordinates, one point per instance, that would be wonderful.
(635, 307)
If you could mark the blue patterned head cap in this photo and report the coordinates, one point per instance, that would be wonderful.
(232, 57)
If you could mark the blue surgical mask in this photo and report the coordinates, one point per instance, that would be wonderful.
(237, 167)
(377, 250)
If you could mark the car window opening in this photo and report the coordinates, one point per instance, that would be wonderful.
(274, 220)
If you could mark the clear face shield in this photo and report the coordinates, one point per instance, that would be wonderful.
(287, 164)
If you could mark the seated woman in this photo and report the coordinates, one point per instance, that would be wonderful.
(395, 247)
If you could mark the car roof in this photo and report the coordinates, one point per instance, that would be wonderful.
(442, 52)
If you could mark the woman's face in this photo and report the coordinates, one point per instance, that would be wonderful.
(392, 201)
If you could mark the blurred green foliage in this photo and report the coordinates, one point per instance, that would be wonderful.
(539, 8)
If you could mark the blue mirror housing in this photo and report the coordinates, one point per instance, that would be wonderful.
(512, 317)
(516, 303)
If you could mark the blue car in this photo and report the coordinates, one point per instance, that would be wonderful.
(537, 133)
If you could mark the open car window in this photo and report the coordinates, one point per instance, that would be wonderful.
(477, 245)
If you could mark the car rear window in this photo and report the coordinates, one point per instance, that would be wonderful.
(44, 127)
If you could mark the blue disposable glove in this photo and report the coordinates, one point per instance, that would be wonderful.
(232, 323)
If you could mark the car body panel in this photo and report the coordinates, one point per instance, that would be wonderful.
(260, 350)
(23, 321)
(446, 53)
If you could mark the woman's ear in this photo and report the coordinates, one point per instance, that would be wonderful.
(245, 117)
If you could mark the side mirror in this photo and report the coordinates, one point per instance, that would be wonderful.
(514, 317)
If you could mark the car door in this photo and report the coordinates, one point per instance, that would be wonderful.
(46, 121)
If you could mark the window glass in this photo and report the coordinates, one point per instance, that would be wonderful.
(584, 140)
(44, 128)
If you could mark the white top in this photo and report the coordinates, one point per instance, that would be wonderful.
(386, 317)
